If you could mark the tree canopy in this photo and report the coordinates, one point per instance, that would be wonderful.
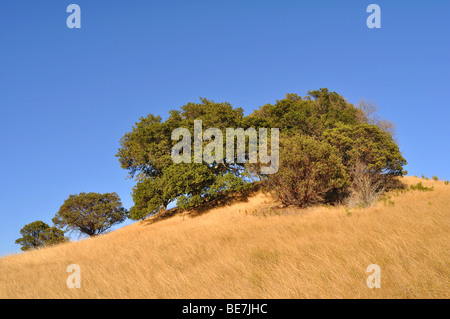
(330, 132)
(146, 153)
(39, 234)
(90, 213)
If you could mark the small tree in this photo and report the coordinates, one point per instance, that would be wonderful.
(90, 213)
(39, 234)
(308, 169)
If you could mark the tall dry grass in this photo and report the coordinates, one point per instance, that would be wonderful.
(255, 250)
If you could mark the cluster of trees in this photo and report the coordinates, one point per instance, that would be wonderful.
(330, 151)
(87, 213)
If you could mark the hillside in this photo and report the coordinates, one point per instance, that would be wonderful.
(255, 249)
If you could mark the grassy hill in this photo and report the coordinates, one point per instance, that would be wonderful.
(255, 249)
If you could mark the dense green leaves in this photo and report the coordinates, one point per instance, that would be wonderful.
(324, 137)
(367, 144)
(146, 153)
(38, 234)
(310, 115)
(151, 195)
(145, 150)
(328, 117)
(308, 169)
(90, 213)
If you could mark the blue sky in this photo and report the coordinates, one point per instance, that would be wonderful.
(68, 95)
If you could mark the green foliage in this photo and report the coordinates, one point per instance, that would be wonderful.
(146, 150)
(149, 197)
(311, 115)
(371, 157)
(308, 169)
(446, 182)
(90, 213)
(327, 116)
(146, 153)
(367, 144)
(435, 178)
(38, 234)
(53, 236)
(222, 185)
(226, 183)
(185, 182)
(419, 187)
(333, 134)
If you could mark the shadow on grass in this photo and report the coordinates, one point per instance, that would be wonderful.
(221, 201)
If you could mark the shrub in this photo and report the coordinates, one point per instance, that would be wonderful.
(308, 169)
(420, 187)
(435, 178)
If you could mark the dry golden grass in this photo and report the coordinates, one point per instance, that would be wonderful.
(248, 250)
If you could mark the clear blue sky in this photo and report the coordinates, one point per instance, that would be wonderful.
(68, 95)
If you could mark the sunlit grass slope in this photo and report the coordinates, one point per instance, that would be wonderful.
(255, 249)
